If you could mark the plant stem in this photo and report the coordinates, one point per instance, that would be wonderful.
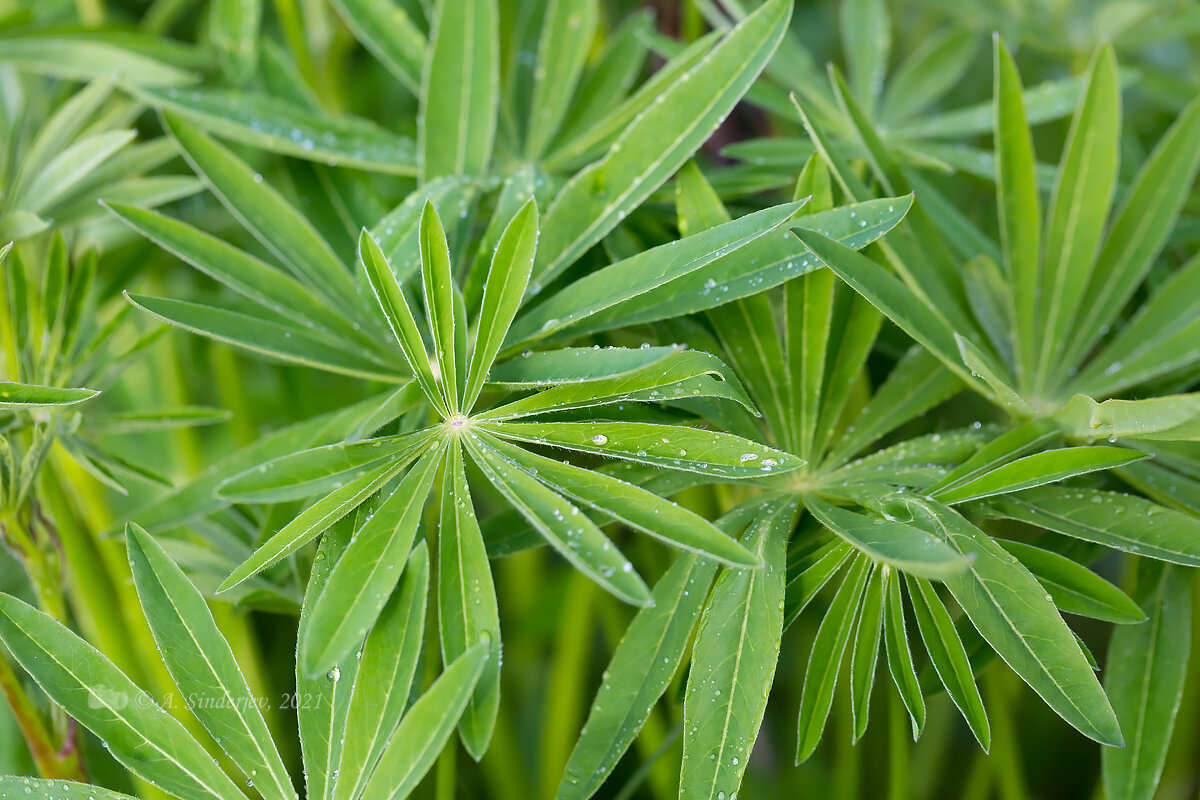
(51, 762)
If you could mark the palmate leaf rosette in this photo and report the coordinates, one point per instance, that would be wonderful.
(873, 529)
(1088, 357)
(552, 495)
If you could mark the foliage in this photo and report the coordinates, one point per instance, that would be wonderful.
(619, 392)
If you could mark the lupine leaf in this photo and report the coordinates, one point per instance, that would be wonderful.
(672, 446)
(313, 521)
(1048, 466)
(899, 656)
(825, 657)
(641, 667)
(363, 579)
(683, 116)
(267, 215)
(733, 662)
(1074, 587)
(467, 609)
(632, 505)
(390, 34)
(385, 674)
(1120, 521)
(459, 90)
(1146, 668)
(949, 657)
(562, 524)
(894, 543)
(1005, 603)
(139, 734)
(204, 666)
(502, 295)
(24, 395)
(426, 727)
(399, 317)
(562, 50)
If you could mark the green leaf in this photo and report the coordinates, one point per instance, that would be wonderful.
(915, 316)
(313, 521)
(1050, 100)
(203, 665)
(590, 140)
(734, 660)
(808, 312)
(683, 115)
(70, 166)
(384, 678)
(40, 789)
(426, 727)
(1170, 418)
(397, 232)
(866, 40)
(242, 272)
(673, 446)
(899, 656)
(391, 36)
(632, 505)
(502, 295)
(641, 668)
(1160, 339)
(1147, 215)
(400, 318)
(916, 384)
(75, 58)
(1038, 469)
(641, 273)
(459, 90)
(523, 185)
(267, 215)
(671, 374)
(1000, 450)
(304, 473)
(233, 30)
(536, 370)
(1120, 521)
(1079, 207)
(1074, 587)
(25, 395)
(949, 657)
(894, 543)
(199, 495)
(439, 305)
(138, 733)
(865, 657)
(567, 32)
(467, 610)
(322, 719)
(747, 329)
(266, 337)
(825, 657)
(935, 66)
(1146, 669)
(1018, 619)
(359, 586)
(808, 575)
(1017, 201)
(571, 533)
(280, 126)
(609, 77)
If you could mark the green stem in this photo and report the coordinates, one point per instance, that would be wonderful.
(51, 762)
(898, 760)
